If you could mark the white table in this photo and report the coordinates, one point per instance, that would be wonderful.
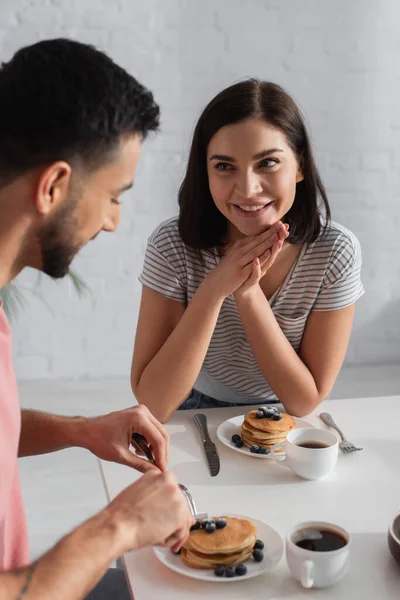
(362, 495)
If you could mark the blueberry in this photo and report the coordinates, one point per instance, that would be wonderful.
(235, 438)
(210, 527)
(260, 414)
(229, 572)
(268, 412)
(206, 522)
(259, 545)
(277, 417)
(241, 569)
(264, 451)
(258, 555)
(255, 449)
(239, 443)
(219, 571)
(220, 523)
(197, 525)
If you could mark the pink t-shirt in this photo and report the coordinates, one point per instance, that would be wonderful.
(14, 550)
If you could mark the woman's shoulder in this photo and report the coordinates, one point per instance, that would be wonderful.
(335, 238)
(166, 233)
(167, 242)
(336, 249)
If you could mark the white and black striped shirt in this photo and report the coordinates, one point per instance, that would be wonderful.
(325, 276)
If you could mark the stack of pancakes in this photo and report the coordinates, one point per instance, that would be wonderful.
(228, 546)
(265, 432)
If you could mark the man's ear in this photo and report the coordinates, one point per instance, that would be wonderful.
(52, 187)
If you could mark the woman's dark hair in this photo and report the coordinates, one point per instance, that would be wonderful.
(201, 225)
(64, 100)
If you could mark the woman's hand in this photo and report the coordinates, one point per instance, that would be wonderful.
(261, 265)
(246, 261)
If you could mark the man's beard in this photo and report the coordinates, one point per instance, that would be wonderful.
(58, 242)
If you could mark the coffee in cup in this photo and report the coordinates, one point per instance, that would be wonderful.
(317, 553)
(310, 453)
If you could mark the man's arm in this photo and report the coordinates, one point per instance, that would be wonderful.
(108, 436)
(151, 511)
(42, 432)
(70, 569)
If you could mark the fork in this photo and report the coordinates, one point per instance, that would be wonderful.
(140, 443)
(345, 446)
(198, 516)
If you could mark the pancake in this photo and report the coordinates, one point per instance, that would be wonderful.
(261, 435)
(259, 442)
(237, 535)
(196, 560)
(229, 546)
(249, 442)
(286, 424)
(265, 432)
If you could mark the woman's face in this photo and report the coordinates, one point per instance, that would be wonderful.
(252, 174)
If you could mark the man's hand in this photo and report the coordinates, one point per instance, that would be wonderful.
(152, 511)
(109, 438)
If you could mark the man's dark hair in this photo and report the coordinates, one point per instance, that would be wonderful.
(202, 226)
(64, 100)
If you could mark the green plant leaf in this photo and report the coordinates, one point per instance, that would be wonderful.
(14, 301)
(79, 285)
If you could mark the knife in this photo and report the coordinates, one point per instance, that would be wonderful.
(209, 446)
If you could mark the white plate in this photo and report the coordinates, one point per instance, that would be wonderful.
(226, 430)
(273, 552)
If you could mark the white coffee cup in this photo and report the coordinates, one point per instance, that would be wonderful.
(308, 463)
(312, 568)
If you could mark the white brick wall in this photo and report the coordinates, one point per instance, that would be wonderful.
(340, 60)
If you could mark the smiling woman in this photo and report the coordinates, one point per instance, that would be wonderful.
(252, 191)
(248, 297)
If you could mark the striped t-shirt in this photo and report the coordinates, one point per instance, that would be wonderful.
(325, 276)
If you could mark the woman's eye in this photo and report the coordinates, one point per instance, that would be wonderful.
(223, 166)
(268, 162)
(116, 201)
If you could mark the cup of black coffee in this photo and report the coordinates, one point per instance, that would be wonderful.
(317, 553)
(311, 453)
(394, 537)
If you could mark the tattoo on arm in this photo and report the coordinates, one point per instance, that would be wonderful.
(27, 583)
